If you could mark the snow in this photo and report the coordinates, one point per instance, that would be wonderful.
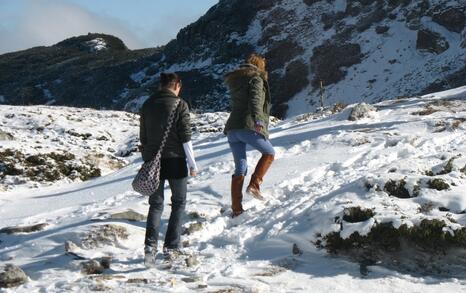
(97, 45)
(324, 164)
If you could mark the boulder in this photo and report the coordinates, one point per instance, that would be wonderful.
(431, 42)
(12, 276)
(361, 111)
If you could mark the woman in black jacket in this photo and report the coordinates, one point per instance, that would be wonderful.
(178, 149)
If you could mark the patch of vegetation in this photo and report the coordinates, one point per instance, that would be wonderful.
(357, 214)
(46, 167)
(192, 228)
(427, 111)
(463, 170)
(428, 235)
(438, 184)
(397, 188)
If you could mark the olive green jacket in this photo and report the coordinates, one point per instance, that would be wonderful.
(250, 99)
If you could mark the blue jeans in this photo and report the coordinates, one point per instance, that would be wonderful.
(238, 139)
(173, 235)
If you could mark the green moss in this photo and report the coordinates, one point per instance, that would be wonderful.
(438, 184)
(397, 188)
(357, 214)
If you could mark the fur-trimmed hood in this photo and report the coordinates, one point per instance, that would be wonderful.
(245, 69)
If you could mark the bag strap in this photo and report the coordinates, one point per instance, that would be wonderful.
(171, 117)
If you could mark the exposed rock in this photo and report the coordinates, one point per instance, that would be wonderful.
(106, 261)
(6, 136)
(432, 42)
(294, 80)
(381, 29)
(329, 58)
(24, 229)
(129, 215)
(361, 111)
(91, 267)
(101, 235)
(12, 276)
(296, 250)
(451, 18)
(275, 54)
(311, 2)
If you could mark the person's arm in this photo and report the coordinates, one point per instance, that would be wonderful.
(142, 130)
(188, 150)
(184, 123)
(256, 102)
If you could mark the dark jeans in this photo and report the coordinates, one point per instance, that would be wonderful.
(172, 237)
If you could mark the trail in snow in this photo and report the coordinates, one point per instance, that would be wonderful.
(322, 166)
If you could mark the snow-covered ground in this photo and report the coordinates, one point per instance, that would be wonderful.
(324, 164)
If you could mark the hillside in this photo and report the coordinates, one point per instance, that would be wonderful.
(361, 50)
(386, 193)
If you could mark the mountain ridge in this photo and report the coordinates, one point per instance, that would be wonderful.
(361, 50)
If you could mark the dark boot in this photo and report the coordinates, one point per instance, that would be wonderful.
(256, 179)
(237, 195)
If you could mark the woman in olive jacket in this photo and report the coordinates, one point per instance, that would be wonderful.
(248, 125)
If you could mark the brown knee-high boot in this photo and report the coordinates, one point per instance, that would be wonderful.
(256, 179)
(237, 195)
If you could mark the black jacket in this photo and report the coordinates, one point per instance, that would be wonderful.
(153, 122)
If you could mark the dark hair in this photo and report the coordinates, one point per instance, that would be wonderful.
(169, 80)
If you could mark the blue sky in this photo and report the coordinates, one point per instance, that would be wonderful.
(140, 23)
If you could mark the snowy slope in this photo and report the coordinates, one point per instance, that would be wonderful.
(325, 164)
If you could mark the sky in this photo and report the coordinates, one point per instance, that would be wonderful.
(139, 23)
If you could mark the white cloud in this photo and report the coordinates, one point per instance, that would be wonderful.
(46, 22)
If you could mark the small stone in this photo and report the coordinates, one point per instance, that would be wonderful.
(12, 276)
(92, 267)
(202, 286)
(192, 261)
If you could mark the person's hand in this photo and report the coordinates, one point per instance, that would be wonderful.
(258, 127)
(192, 172)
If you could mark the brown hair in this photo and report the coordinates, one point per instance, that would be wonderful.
(257, 61)
(169, 80)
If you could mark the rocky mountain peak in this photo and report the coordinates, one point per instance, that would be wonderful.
(362, 50)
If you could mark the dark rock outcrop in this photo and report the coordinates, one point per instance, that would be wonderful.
(453, 19)
(432, 42)
(329, 58)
